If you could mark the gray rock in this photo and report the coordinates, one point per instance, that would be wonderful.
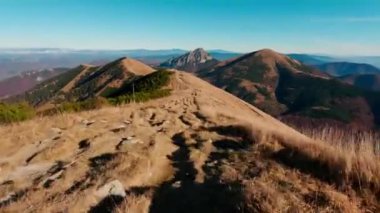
(115, 188)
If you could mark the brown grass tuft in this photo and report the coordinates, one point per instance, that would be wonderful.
(135, 204)
(349, 161)
(260, 197)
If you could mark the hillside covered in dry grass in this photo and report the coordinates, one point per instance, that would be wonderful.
(198, 150)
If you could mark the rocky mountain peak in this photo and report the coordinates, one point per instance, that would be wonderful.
(190, 61)
(199, 56)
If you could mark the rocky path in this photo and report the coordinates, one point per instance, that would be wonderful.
(190, 151)
(164, 143)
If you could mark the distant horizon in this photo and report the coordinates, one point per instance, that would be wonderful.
(178, 49)
(328, 27)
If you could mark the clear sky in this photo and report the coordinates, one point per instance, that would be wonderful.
(348, 27)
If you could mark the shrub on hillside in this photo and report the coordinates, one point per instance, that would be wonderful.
(264, 91)
(78, 106)
(140, 90)
(145, 84)
(90, 104)
(15, 112)
(140, 96)
(333, 113)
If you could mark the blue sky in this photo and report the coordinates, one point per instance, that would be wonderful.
(345, 27)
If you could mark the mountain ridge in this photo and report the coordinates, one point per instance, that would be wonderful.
(86, 81)
(254, 76)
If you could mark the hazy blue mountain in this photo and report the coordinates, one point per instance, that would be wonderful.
(347, 68)
(364, 81)
(306, 59)
(311, 59)
(373, 60)
(16, 61)
(222, 55)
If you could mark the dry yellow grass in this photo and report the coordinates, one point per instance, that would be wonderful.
(351, 156)
(135, 204)
(199, 149)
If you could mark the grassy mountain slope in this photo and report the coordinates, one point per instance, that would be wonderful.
(282, 86)
(187, 152)
(86, 82)
(48, 89)
(254, 77)
(326, 98)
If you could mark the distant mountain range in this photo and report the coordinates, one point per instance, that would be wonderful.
(25, 81)
(311, 59)
(362, 75)
(21, 59)
(364, 81)
(274, 82)
(15, 61)
(372, 60)
(347, 68)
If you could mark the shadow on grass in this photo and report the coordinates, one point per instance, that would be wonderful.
(298, 160)
(107, 205)
(183, 194)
